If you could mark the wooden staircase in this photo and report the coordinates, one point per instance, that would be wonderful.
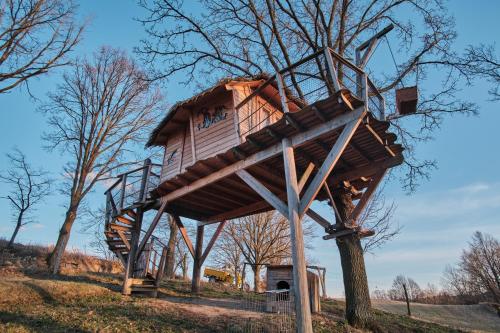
(125, 206)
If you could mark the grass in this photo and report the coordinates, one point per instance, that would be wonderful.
(92, 303)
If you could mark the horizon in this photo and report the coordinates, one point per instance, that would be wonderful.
(437, 221)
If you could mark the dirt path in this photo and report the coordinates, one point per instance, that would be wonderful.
(211, 307)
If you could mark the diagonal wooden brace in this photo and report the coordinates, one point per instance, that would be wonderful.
(212, 241)
(184, 235)
(365, 198)
(151, 229)
(328, 165)
(269, 196)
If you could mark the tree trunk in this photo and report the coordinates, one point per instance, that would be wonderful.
(170, 261)
(55, 257)
(357, 294)
(16, 230)
(256, 278)
(184, 267)
(407, 300)
(195, 283)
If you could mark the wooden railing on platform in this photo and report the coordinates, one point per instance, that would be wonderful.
(312, 79)
(131, 189)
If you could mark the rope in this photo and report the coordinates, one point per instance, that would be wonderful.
(394, 60)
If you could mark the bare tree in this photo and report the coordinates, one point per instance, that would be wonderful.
(228, 254)
(378, 216)
(103, 107)
(247, 37)
(405, 289)
(477, 275)
(35, 37)
(263, 239)
(28, 187)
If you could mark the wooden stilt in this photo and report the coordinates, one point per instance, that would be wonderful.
(195, 283)
(302, 307)
(131, 261)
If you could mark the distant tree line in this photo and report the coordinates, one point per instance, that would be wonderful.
(475, 278)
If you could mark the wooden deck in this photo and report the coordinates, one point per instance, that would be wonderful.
(211, 191)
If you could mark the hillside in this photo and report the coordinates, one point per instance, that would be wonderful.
(78, 301)
(472, 317)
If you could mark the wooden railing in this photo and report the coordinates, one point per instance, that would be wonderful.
(131, 188)
(153, 259)
(314, 78)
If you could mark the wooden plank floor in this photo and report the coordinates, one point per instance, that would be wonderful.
(372, 145)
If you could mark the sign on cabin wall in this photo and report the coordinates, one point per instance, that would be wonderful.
(207, 117)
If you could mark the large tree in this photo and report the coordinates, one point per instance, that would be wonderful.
(247, 37)
(103, 107)
(28, 187)
(35, 37)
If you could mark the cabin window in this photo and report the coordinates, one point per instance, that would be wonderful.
(285, 294)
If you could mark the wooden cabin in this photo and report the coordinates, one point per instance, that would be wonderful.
(209, 123)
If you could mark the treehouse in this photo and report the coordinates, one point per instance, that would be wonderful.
(250, 145)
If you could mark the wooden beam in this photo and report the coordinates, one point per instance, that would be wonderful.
(328, 165)
(195, 282)
(379, 139)
(318, 219)
(281, 90)
(267, 153)
(366, 196)
(332, 202)
(331, 70)
(184, 234)
(366, 171)
(267, 195)
(305, 176)
(151, 228)
(212, 241)
(302, 306)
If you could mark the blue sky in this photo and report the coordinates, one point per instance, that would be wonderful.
(437, 221)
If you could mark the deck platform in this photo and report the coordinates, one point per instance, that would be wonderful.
(211, 191)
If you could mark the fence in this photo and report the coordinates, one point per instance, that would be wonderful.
(271, 311)
(312, 79)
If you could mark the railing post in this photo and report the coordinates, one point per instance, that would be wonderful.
(108, 210)
(122, 194)
(282, 92)
(364, 90)
(331, 69)
(144, 183)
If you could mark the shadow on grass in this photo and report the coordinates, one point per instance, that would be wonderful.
(46, 296)
(90, 278)
(37, 324)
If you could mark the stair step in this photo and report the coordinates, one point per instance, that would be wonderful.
(142, 282)
(125, 220)
(115, 226)
(112, 235)
(130, 212)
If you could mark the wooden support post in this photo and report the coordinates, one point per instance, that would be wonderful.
(301, 293)
(161, 266)
(131, 261)
(195, 283)
(331, 70)
(145, 178)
